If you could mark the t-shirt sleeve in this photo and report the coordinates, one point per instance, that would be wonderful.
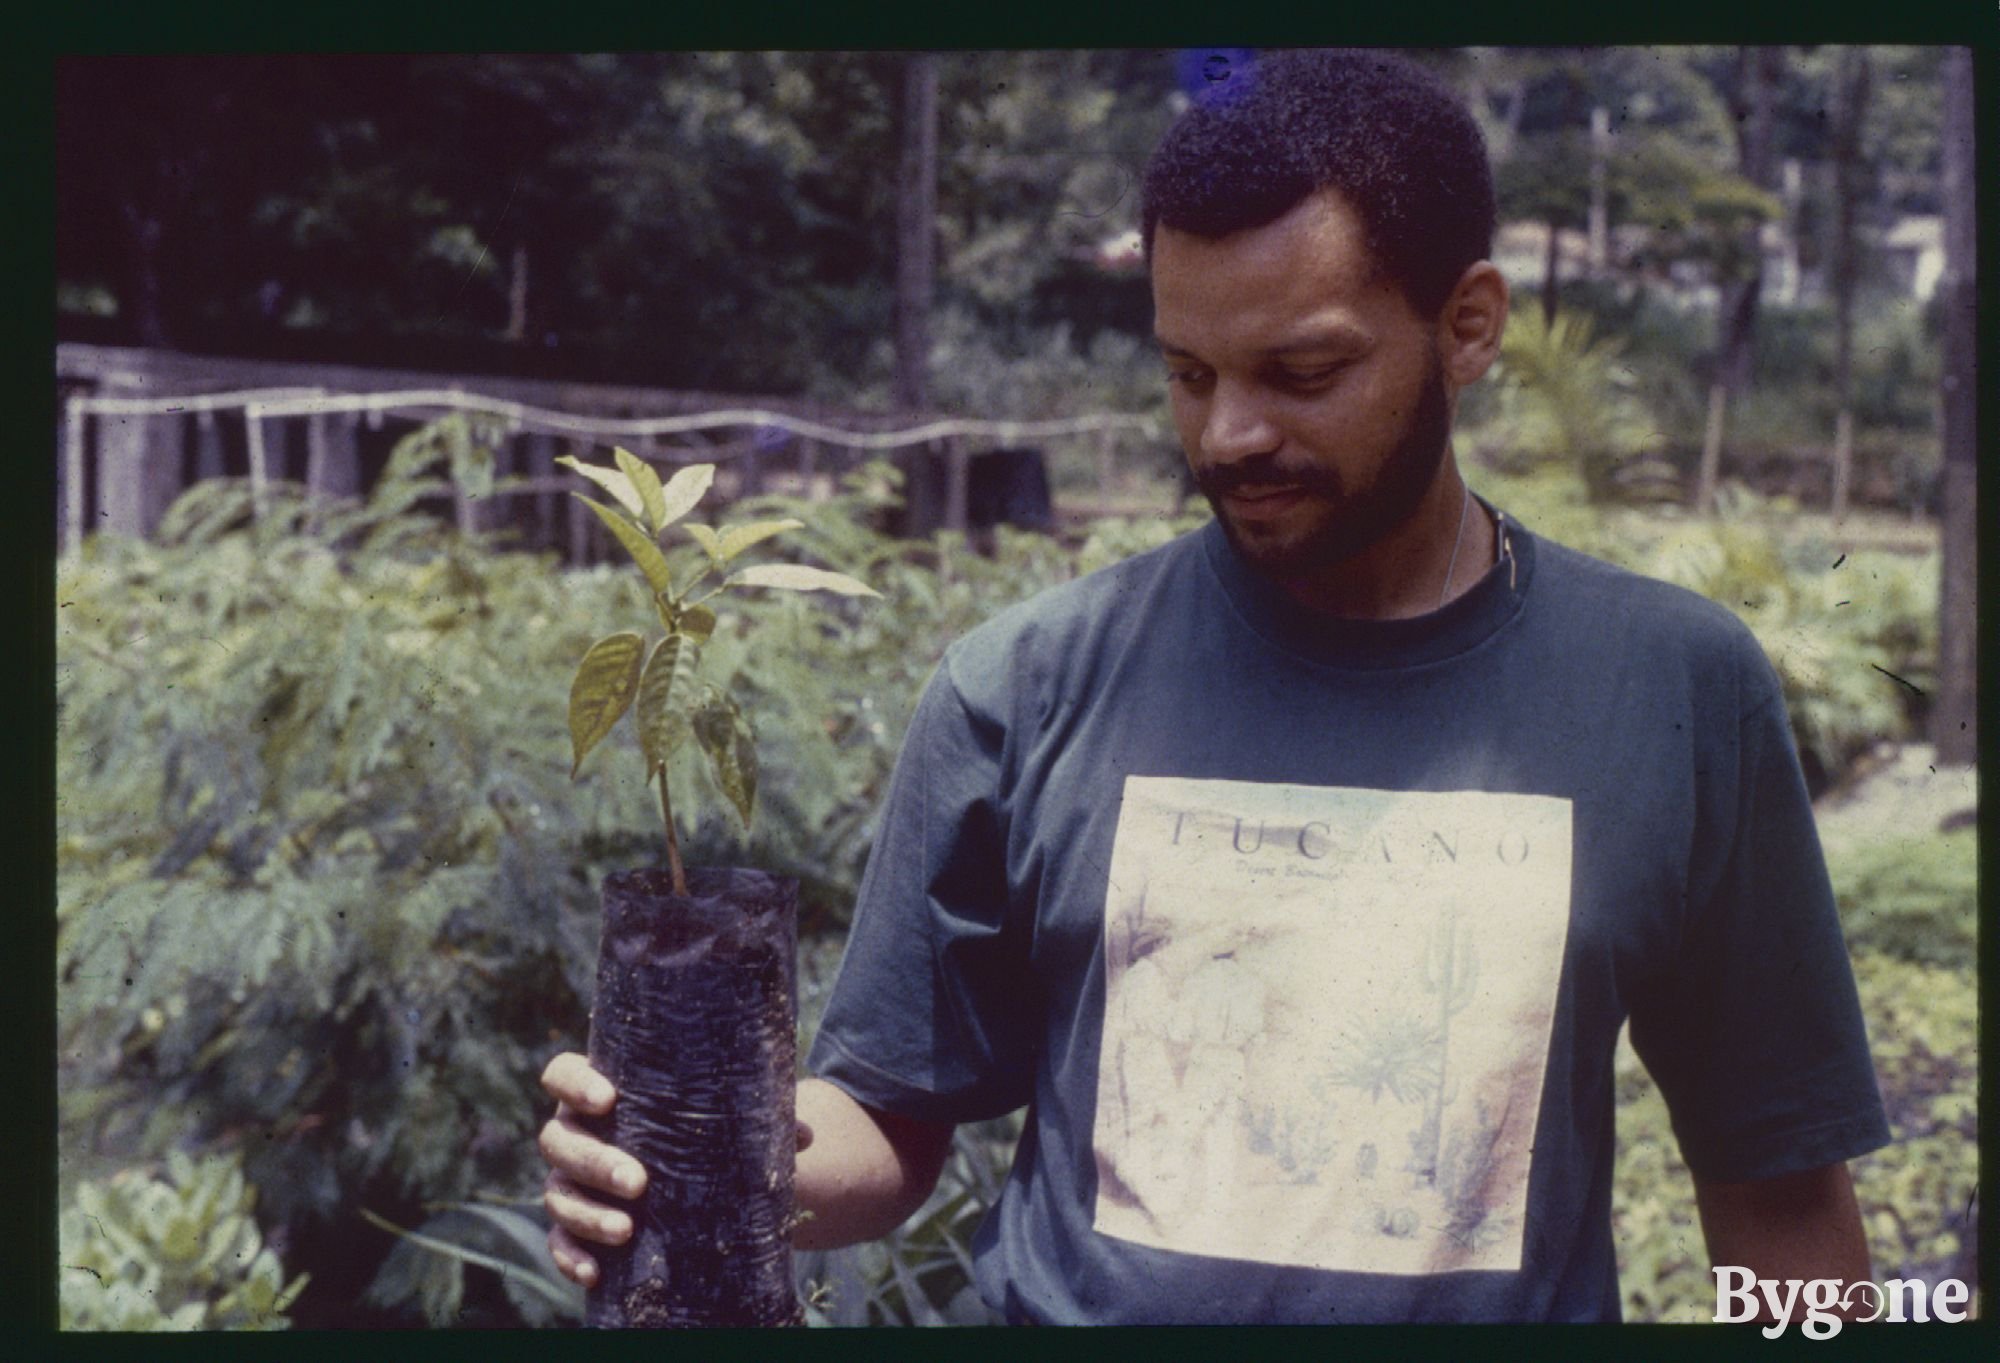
(1755, 1034)
(930, 1012)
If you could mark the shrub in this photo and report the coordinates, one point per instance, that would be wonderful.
(1839, 629)
(181, 1253)
(324, 896)
(1914, 899)
(1909, 907)
(1565, 396)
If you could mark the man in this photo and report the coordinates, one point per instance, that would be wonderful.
(1298, 876)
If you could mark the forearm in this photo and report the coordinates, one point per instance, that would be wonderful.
(1803, 1226)
(862, 1173)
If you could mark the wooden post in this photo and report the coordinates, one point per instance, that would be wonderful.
(260, 473)
(1711, 450)
(163, 476)
(343, 454)
(316, 453)
(539, 456)
(1843, 463)
(808, 466)
(208, 461)
(579, 521)
(750, 470)
(139, 456)
(121, 462)
(1600, 217)
(73, 489)
(958, 484)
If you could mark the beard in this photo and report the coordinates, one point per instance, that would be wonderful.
(1350, 520)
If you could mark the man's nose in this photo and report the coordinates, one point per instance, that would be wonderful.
(1236, 427)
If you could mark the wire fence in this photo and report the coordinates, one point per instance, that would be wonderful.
(139, 462)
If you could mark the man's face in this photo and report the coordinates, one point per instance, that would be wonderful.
(1309, 397)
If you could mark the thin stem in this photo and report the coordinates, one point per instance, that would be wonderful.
(673, 843)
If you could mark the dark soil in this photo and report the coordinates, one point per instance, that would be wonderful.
(694, 1024)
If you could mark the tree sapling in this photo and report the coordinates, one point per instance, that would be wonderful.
(694, 1019)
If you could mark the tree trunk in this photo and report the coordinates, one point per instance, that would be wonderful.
(695, 1025)
(1954, 717)
(1850, 105)
(1758, 71)
(1600, 198)
(1711, 450)
(517, 296)
(149, 313)
(1551, 267)
(916, 229)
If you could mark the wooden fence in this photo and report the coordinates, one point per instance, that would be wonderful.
(137, 427)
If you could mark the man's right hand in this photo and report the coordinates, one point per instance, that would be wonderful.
(867, 1170)
(579, 1165)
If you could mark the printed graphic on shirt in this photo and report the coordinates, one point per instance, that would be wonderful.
(1327, 1019)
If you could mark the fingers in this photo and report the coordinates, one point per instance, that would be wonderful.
(587, 1162)
(585, 1218)
(570, 1259)
(579, 1164)
(568, 1078)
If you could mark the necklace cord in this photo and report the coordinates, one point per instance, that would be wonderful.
(1451, 567)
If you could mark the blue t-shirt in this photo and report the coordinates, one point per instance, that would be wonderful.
(1306, 943)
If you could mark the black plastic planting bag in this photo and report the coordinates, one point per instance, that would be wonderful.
(695, 1025)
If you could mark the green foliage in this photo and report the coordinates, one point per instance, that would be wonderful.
(325, 896)
(669, 699)
(326, 899)
(181, 1253)
(427, 1266)
(1915, 899)
(1831, 632)
(1917, 1194)
(1564, 396)
(920, 1273)
(1909, 907)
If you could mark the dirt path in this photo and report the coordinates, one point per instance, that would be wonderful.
(1899, 793)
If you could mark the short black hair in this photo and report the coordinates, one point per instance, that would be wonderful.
(1391, 138)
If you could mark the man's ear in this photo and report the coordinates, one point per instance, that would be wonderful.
(1469, 328)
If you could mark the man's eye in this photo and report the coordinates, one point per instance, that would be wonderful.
(1307, 378)
(1188, 378)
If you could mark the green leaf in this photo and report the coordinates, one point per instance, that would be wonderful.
(725, 736)
(710, 542)
(684, 490)
(647, 484)
(796, 577)
(637, 543)
(740, 537)
(606, 681)
(664, 695)
(698, 623)
(472, 467)
(547, 1286)
(611, 480)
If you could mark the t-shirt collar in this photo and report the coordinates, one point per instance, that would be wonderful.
(1461, 624)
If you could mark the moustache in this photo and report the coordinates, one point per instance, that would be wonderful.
(1264, 471)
